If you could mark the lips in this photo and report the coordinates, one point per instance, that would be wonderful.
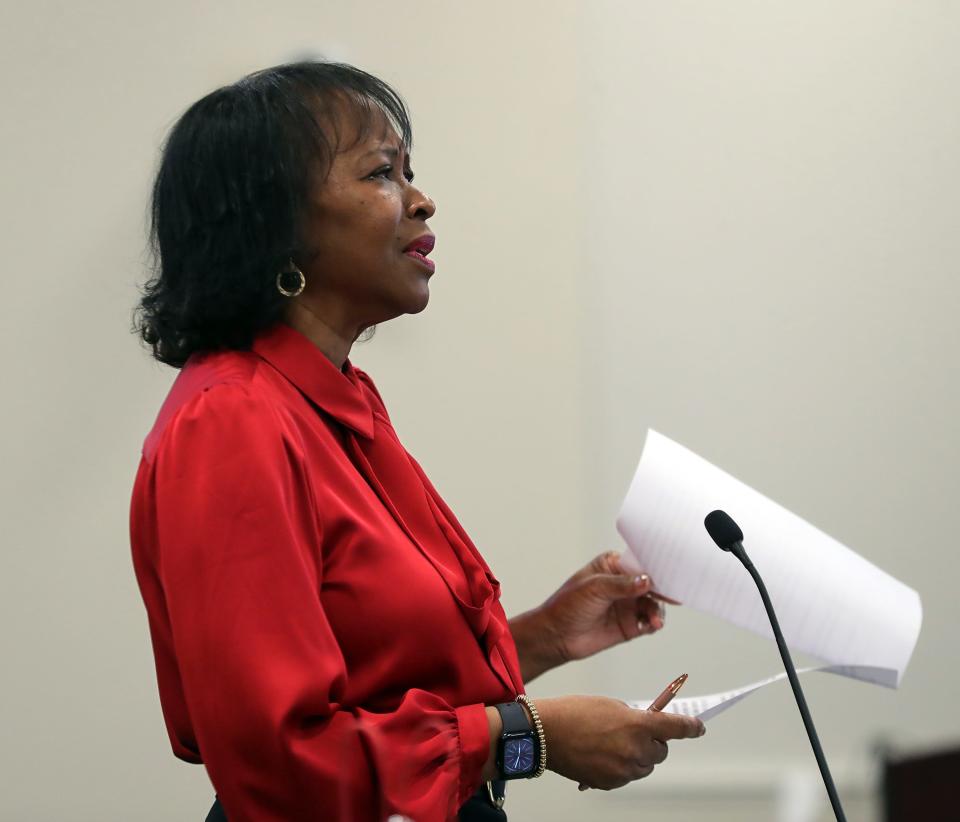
(423, 245)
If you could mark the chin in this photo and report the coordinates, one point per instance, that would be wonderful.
(418, 301)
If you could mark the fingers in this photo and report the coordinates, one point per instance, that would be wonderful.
(609, 563)
(608, 581)
(638, 770)
(643, 771)
(605, 563)
(652, 752)
(649, 615)
(636, 761)
(671, 726)
(637, 613)
(608, 588)
(631, 625)
(613, 563)
(660, 751)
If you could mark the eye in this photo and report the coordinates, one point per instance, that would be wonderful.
(386, 171)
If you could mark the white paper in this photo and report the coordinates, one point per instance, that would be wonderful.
(708, 706)
(831, 603)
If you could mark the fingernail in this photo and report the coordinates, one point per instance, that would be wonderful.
(641, 580)
(703, 729)
(642, 626)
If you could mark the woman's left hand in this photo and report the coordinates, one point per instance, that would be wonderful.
(600, 606)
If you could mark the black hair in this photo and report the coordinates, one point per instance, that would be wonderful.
(231, 187)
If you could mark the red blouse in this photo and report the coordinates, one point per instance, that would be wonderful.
(326, 635)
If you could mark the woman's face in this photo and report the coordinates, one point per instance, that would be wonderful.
(358, 223)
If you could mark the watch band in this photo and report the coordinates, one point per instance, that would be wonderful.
(514, 718)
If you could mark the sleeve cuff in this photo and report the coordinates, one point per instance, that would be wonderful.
(474, 748)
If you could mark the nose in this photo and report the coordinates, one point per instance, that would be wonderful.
(420, 206)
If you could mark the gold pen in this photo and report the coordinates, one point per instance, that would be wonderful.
(669, 693)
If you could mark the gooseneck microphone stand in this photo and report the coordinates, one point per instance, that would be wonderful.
(728, 536)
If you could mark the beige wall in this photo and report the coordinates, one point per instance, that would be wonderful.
(774, 207)
(732, 222)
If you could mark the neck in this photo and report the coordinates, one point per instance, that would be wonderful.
(333, 343)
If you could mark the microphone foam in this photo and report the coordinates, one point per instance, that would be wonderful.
(723, 530)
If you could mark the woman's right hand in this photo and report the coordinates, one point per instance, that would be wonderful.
(602, 743)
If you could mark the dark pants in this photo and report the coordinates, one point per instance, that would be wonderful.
(477, 808)
(216, 812)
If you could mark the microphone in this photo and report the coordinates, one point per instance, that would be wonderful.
(728, 536)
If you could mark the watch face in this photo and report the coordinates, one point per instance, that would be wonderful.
(518, 756)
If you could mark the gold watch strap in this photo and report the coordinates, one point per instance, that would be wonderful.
(538, 727)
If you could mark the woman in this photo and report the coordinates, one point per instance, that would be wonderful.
(328, 641)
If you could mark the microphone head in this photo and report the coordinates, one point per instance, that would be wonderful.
(723, 530)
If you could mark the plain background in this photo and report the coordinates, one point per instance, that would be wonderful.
(733, 222)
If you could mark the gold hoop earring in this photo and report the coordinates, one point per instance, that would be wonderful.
(291, 282)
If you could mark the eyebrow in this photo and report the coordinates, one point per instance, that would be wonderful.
(392, 152)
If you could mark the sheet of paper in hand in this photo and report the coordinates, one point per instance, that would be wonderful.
(831, 603)
(708, 706)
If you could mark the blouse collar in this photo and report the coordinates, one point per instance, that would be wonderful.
(336, 392)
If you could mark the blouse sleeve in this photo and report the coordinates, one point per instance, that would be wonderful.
(237, 556)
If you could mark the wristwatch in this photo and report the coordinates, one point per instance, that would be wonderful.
(518, 751)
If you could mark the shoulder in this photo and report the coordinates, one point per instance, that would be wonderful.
(215, 397)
